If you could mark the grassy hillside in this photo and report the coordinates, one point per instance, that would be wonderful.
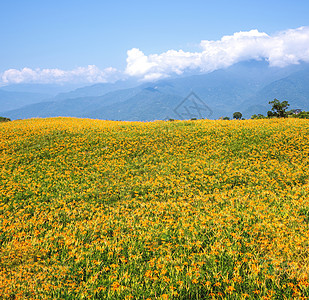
(184, 210)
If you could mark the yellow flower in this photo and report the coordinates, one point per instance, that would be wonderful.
(115, 286)
(230, 289)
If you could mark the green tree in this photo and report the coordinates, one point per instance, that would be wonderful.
(278, 108)
(258, 116)
(271, 114)
(302, 115)
(237, 115)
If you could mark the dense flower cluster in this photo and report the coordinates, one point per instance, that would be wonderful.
(161, 210)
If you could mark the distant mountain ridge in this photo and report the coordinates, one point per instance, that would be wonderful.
(245, 87)
(95, 90)
(293, 88)
(41, 88)
(12, 100)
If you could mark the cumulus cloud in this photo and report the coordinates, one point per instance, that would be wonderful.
(281, 49)
(89, 74)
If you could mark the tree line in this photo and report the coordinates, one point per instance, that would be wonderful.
(278, 110)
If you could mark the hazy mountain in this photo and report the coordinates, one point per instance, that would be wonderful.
(14, 100)
(74, 107)
(147, 105)
(16, 96)
(50, 90)
(245, 87)
(98, 89)
(293, 88)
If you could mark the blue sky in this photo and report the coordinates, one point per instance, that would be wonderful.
(69, 34)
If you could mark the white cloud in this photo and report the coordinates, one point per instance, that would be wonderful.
(282, 49)
(89, 74)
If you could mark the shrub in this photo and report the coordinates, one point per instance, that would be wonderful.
(258, 116)
(3, 119)
(302, 115)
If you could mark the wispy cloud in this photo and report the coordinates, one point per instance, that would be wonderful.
(281, 49)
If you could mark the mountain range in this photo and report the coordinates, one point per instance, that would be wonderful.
(246, 87)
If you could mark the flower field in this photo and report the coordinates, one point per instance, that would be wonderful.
(201, 209)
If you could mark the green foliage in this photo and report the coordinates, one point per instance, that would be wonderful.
(293, 112)
(3, 119)
(226, 118)
(237, 115)
(302, 115)
(270, 114)
(258, 116)
(278, 109)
